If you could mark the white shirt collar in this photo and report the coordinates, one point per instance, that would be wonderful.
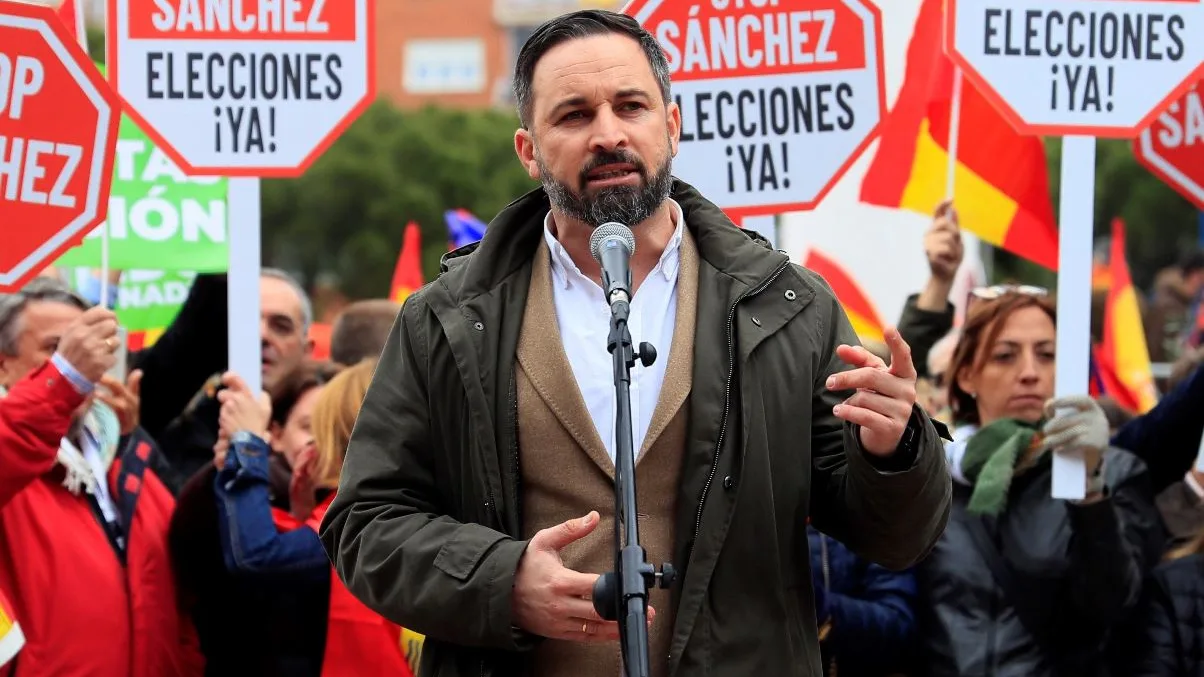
(564, 270)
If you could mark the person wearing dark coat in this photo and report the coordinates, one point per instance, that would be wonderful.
(1166, 634)
(1020, 583)
(860, 604)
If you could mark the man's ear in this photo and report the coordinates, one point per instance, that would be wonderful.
(673, 113)
(524, 146)
(6, 367)
(308, 346)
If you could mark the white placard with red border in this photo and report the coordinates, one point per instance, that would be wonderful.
(1099, 67)
(243, 88)
(1172, 148)
(778, 97)
(58, 136)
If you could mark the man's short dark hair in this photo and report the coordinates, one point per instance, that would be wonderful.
(573, 26)
(361, 330)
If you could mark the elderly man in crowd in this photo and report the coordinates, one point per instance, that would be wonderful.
(83, 520)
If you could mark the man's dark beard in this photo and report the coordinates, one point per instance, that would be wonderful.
(627, 205)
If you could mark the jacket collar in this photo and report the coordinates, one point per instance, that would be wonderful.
(514, 234)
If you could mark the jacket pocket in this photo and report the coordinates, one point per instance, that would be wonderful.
(460, 555)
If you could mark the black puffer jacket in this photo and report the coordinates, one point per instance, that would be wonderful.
(1170, 624)
(1078, 567)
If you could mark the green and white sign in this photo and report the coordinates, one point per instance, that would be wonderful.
(159, 218)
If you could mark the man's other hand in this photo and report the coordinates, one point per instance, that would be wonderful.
(554, 601)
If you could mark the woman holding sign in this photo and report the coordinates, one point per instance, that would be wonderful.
(1021, 583)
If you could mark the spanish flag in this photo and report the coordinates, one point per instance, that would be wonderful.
(1001, 182)
(137, 340)
(867, 324)
(1123, 358)
(11, 639)
(407, 275)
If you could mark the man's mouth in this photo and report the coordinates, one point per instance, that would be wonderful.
(609, 172)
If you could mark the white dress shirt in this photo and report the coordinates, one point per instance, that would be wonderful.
(584, 319)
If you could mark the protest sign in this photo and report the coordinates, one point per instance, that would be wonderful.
(1079, 69)
(778, 97)
(148, 301)
(58, 132)
(1099, 67)
(1172, 148)
(158, 216)
(243, 88)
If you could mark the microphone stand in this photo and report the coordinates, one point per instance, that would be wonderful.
(622, 595)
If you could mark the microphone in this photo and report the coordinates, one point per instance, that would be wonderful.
(612, 245)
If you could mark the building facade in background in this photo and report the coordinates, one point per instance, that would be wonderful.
(458, 53)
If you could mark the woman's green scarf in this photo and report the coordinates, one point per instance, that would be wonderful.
(990, 461)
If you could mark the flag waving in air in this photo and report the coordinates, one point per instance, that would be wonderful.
(867, 324)
(1001, 181)
(11, 638)
(1123, 357)
(463, 228)
(407, 275)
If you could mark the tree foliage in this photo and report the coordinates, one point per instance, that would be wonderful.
(345, 217)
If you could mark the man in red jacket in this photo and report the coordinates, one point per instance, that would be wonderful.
(83, 522)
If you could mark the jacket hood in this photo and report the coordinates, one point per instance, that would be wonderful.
(513, 235)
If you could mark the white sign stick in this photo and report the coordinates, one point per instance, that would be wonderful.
(1076, 234)
(243, 282)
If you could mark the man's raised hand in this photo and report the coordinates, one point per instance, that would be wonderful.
(884, 397)
(90, 342)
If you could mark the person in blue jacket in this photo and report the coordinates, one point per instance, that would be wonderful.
(866, 622)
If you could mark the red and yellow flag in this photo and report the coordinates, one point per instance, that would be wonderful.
(867, 324)
(1124, 360)
(11, 639)
(1001, 181)
(407, 275)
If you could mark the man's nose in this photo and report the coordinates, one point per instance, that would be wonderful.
(608, 132)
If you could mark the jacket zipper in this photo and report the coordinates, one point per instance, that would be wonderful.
(515, 473)
(727, 397)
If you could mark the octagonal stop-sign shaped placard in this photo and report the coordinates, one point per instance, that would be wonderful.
(1172, 148)
(778, 97)
(1101, 68)
(250, 88)
(58, 135)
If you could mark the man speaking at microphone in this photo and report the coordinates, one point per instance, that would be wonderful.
(476, 503)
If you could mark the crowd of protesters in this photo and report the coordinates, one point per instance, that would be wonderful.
(163, 521)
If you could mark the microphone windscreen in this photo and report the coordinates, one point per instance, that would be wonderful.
(611, 231)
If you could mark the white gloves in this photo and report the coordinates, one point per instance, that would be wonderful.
(1076, 422)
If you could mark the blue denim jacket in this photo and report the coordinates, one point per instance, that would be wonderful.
(251, 543)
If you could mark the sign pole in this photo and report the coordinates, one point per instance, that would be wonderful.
(1076, 235)
(243, 276)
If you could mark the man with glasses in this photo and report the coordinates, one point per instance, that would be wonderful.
(83, 521)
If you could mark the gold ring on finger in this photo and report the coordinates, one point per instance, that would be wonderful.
(111, 343)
